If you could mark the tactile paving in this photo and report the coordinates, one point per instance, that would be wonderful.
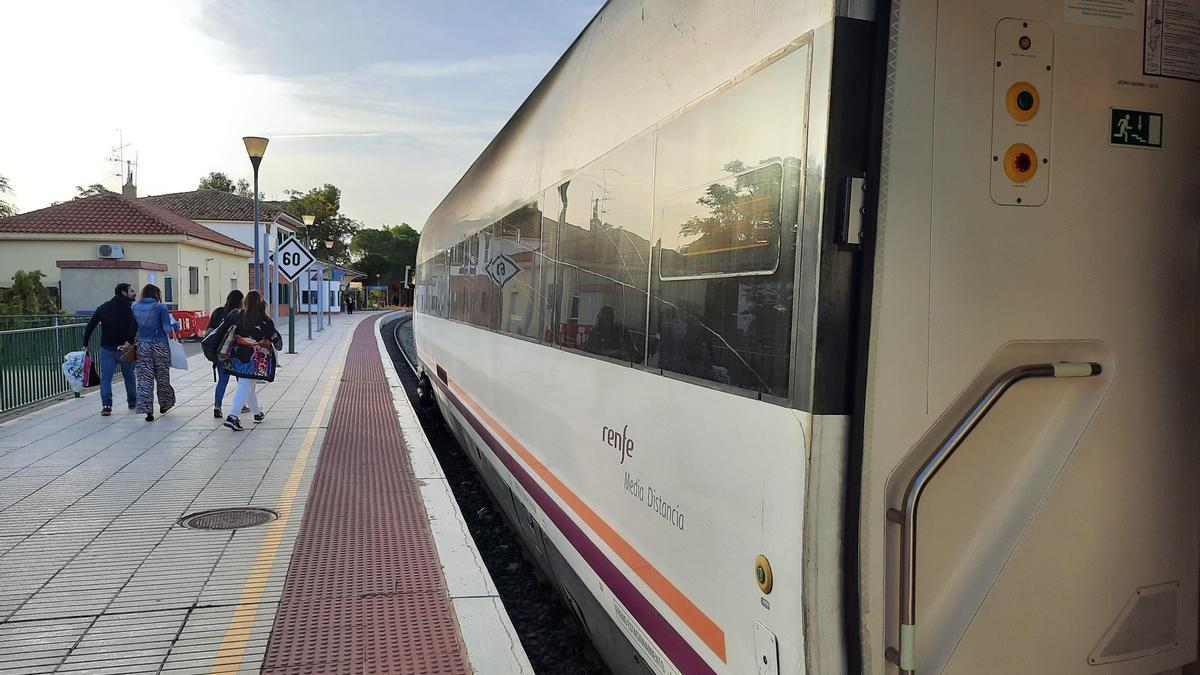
(364, 590)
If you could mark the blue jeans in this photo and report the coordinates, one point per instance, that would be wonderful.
(222, 383)
(109, 360)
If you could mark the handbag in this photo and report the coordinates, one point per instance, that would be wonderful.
(130, 354)
(90, 377)
(178, 357)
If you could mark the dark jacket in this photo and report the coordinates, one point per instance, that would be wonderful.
(117, 325)
(263, 330)
(218, 315)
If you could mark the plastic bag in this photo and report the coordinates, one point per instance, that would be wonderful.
(178, 357)
(75, 369)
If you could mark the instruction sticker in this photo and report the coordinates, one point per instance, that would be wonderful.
(1108, 13)
(1172, 46)
(1135, 128)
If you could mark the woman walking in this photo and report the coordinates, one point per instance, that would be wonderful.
(153, 353)
(232, 302)
(252, 357)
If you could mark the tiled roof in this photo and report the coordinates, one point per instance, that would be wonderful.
(215, 205)
(110, 264)
(111, 214)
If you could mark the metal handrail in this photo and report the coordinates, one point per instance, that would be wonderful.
(906, 518)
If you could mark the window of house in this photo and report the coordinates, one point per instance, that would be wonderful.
(169, 290)
(193, 280)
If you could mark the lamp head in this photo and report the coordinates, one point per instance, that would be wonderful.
(309, 220)
(328, 243)
(256, 147)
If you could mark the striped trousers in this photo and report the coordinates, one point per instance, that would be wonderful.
(153, 366)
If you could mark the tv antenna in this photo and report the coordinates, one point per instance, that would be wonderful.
(117, 158)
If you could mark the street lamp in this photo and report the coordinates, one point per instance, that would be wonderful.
(329, 307)
(308, 223)
(256, 147)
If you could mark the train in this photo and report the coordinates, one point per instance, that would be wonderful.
(828, 336)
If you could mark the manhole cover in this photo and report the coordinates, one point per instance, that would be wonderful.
(228, 519)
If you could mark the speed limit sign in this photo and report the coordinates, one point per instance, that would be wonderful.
(292, 258)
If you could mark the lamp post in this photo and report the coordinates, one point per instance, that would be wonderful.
(256, 147)
(329, 302)
(308, 222)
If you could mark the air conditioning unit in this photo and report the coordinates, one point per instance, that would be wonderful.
(112, 251)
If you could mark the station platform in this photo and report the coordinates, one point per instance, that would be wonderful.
(367, 567)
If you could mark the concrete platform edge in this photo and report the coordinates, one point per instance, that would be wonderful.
(491, 640)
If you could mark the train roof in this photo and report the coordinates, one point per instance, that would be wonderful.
(632, 66)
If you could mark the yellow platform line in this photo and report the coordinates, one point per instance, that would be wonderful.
(237, 635)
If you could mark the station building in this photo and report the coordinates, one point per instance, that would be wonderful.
(87, 246)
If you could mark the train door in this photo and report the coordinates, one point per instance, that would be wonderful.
(1028, 497)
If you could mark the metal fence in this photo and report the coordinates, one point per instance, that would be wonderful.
(31, 362)
(18, 321)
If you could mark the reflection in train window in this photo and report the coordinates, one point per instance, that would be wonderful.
(433, 290)
(728, 227)
(721, 298)
(515, 267)
(604, 253)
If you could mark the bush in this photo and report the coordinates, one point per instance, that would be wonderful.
(27, 295)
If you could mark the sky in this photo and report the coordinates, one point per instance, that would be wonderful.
(390, 101)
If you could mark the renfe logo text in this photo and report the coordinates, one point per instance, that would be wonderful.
(620, 441)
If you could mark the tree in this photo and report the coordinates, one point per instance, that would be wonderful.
(27, 295)
(6, 209)
(242, 189)
(93, 190)
(385, 253)
(216, 180)
(330, 225)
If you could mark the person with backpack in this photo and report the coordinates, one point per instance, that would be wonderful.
(153, 352)
(251, 354)
(215, 322)
(117, 331)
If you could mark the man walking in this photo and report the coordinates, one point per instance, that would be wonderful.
(117, 331)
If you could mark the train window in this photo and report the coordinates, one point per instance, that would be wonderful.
(515, 266)
(728, 175)
(603, 240)
(728, 227)
(433, 288)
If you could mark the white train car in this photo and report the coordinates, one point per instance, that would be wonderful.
(843, 336)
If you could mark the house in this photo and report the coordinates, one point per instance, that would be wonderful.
(86, 246)
(233, 216)
(333, 279)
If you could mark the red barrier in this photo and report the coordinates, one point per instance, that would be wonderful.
(191, 324)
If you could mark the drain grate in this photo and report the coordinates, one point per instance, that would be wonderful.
(228, 519)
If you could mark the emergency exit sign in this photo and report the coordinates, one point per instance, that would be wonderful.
(1136, 128)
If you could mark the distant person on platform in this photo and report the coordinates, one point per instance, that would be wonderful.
(233, 302)
(117, 331)
(153, 352)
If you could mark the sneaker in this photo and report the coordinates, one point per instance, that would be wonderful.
(106, 411)
(217, 413)
(233, 423)
(245, 409)
(133, 406)
(260, 417)
(162, 409)
(149, 417)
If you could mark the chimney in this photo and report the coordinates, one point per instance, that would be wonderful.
(129, 189)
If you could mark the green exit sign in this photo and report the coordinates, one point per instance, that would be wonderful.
(1136, 128)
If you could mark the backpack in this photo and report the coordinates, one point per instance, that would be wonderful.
(212, 342)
